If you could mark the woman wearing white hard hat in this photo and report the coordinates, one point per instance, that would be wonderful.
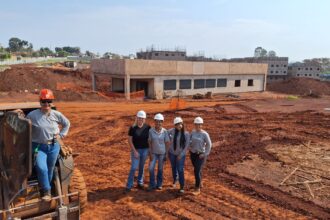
(138, 141)
(200, 147)
(177, 152)
(159, 142)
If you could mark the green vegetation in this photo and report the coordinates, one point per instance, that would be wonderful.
(292, 97)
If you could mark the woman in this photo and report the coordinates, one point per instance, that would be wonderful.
(159, 142)
(138, 141)
(45, 134)
(200, 147)
(179, 139)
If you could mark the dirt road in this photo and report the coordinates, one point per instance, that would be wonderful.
(99, 134)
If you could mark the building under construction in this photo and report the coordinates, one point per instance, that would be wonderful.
(161, 79)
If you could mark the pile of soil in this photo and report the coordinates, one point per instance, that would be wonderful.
(301, 86)
(29, 79)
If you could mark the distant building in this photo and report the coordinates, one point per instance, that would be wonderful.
(277, 66)
(310, 70)
(167, 78)
(161, 55)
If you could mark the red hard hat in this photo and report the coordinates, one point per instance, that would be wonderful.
(46, 94)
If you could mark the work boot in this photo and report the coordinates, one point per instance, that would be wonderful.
(46, 196)
(150, 189)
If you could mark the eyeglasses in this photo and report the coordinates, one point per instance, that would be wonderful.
(46, 101)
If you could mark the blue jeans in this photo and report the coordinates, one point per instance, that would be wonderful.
(137, 163)
(177, 168)
(45, 163)
(198, 165)
(154, 159)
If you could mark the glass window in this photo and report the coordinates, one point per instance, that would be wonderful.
(250, 82)
(170, 84)
(199, 83)
(210, 83)
(185, 84)
(237, 83)
(222, 83)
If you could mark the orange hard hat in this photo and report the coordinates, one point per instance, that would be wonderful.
(46, 94)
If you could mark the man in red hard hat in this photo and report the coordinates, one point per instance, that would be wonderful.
(45, 133)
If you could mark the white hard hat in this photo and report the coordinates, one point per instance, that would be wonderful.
(141, 114)
(198, 120)
(159, 117)
(178, 120)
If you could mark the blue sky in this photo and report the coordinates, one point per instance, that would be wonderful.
(221, 28)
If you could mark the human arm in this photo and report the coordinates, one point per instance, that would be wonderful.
(65, 125)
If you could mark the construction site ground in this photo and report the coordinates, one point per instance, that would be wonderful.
(270, 157)
(256, 147)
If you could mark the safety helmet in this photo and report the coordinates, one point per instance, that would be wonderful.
(141, 114)
(46, 94)
(198, 120)
(159, 117)
(177, 120)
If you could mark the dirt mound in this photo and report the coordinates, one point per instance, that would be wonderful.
(68, 85)
(301, 86)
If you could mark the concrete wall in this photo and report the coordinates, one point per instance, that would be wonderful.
(115, 67)
(258, 85)
(156, 67)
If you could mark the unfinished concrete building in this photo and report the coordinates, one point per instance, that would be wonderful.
(277, 66)
(161, 79)
(309, 70)
(162, 55)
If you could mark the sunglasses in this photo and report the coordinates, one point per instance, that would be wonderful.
(46, 101)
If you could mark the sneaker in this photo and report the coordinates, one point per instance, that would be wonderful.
(46, 196)
(140, 186)
(159, 188)
(181, 191)
(197, 191)
(127, 190)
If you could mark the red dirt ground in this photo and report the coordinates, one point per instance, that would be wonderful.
(99, 134)
(301, 86)
(238, 128)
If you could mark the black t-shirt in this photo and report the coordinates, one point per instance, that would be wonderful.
(140, 136)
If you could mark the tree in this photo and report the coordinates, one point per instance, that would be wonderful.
(260, 52)
(271, 53)
(15, 44)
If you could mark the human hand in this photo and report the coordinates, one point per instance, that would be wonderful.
(136, 154)
(201, 156)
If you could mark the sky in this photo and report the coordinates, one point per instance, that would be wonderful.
(298, 29)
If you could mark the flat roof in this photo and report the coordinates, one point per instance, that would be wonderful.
(127, 67)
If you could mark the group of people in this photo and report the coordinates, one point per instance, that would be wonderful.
(145, 141)
(158, 144)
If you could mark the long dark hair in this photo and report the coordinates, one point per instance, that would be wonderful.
(182, 137)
